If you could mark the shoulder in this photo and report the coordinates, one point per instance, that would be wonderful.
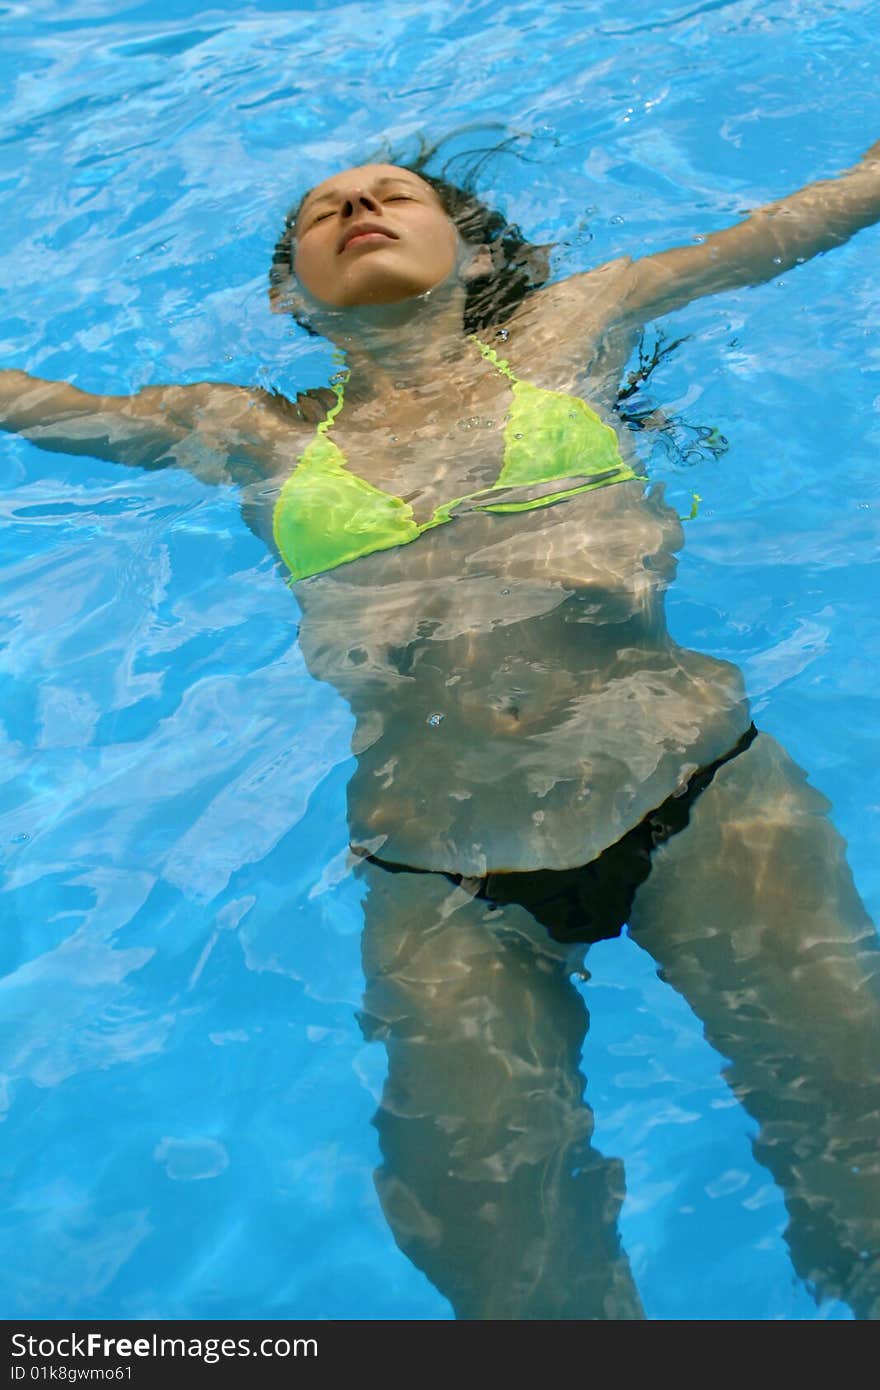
(235, 433)
(598, 296)
(600, 292)
(217, 403)
(558, 322)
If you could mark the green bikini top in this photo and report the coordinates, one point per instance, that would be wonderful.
(326, 515)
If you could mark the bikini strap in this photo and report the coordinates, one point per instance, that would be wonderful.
(491, 355)
(338, 383)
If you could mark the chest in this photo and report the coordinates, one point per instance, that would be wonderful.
(445, 458)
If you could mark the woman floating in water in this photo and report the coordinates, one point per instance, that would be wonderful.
(481, 574)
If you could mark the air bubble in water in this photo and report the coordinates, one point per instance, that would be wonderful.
(434, 719)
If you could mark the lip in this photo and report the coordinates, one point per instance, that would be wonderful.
(365, 231)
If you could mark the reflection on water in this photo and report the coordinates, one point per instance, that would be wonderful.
(181, 927)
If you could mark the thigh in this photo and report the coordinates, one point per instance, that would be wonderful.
(449, 975)
(489, 1180)
(752, 914)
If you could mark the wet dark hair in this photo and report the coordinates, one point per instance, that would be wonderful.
(683, 443)
(519, 267)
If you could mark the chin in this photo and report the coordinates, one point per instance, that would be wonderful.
(387, 285)
(377, 296)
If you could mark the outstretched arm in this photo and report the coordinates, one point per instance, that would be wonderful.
(190, 426)
(771, 239)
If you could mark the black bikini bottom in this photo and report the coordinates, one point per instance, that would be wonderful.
(593, 903)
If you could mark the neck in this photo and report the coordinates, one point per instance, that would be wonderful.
(410, 346)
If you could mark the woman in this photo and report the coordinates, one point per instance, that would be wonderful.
(481, 574)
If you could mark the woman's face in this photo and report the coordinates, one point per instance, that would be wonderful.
(373, 235)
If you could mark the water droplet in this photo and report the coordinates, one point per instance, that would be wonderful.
(393, 438)
(20, 839)
(698, 238)
(519, 435)
(434, 719)
(503, 334)
(777, 260)
(616, 220)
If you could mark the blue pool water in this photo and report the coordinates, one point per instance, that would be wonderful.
(186, 1091)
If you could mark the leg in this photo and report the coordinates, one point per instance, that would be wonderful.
(489, 1182)
(752, 914)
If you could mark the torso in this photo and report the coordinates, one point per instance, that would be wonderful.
(518, 701)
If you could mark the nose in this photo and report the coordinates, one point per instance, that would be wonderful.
(356, 201)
